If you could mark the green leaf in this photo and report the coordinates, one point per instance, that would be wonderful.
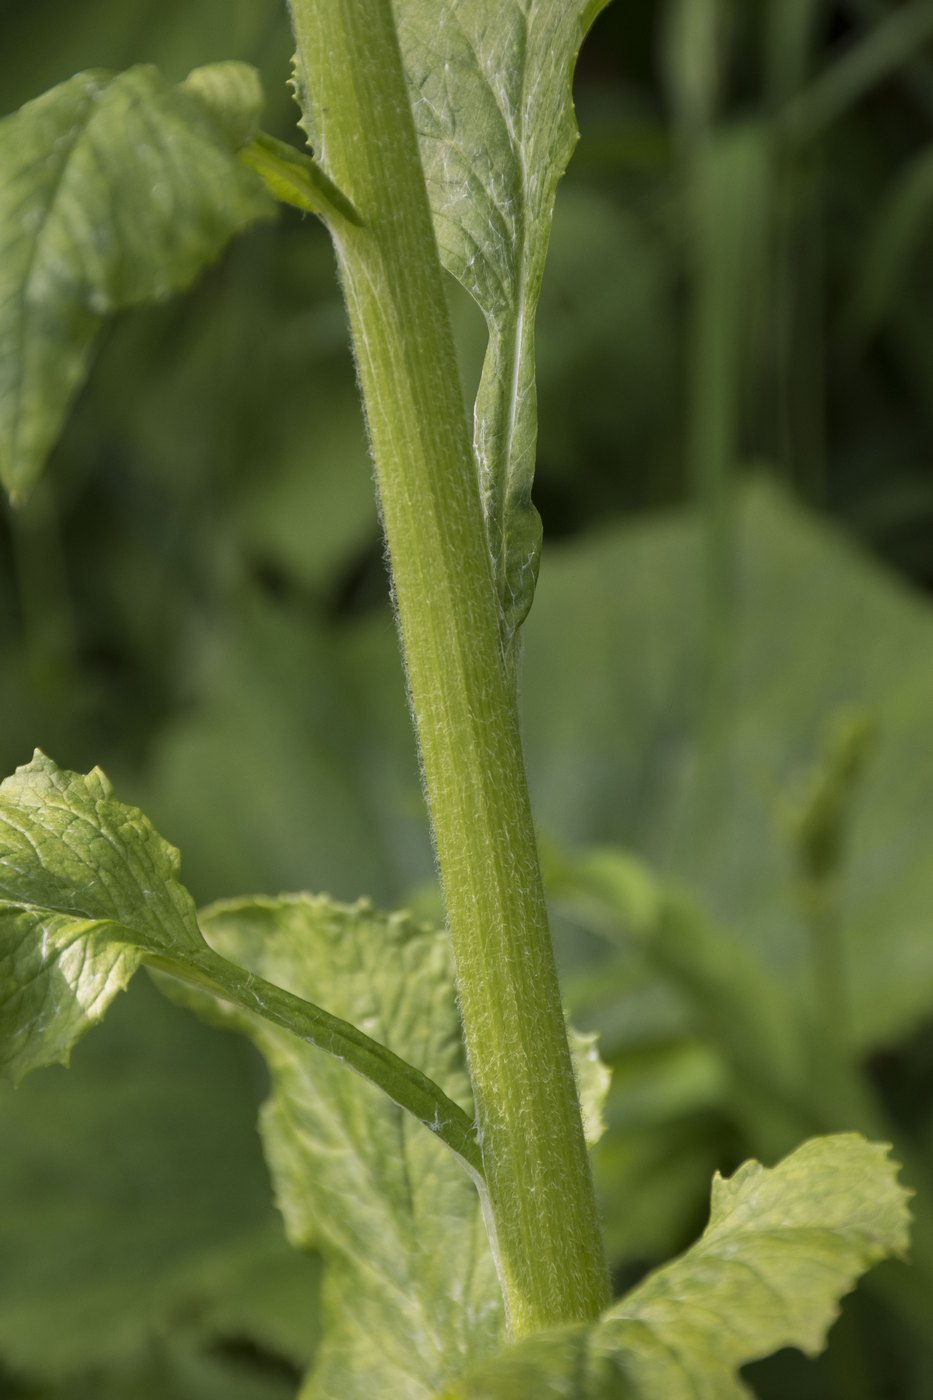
(296, 179)
(114, 191)
(117, 1225)
(702, 803)
(232, 93)
(86, 886)
(593, 1079)
(166, 1369)
(491, 89)
(781, 1248)
(410, 1294)
(87, 890)
(324, 794)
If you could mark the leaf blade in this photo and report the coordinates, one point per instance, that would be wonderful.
(114, 190)
(491, 94)
(410, 1290)
(88, 889)
(782, 1247)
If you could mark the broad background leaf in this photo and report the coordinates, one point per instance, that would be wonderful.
(816, 631)
(781, 1248)
(114, 190)
(136, 1209)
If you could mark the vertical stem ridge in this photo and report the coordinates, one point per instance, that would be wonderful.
(540, 1197)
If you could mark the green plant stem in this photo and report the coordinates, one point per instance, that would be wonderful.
(540, 1207)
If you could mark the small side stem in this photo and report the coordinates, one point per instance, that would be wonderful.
(540, 1198)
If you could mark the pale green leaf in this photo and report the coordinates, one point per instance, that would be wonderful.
(87, 890)
(593, 1078)
(296, 179)
(782, 1247)
(114, 190)
(410, 1293)
(165, 1370)
(491, 90)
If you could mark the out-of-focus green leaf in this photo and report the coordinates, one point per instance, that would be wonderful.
(337, 803)
(667, 1132)
(895, 238)
(114, 190)
(134, 1204)
(166, 1370)
(781, 1248)
(59, 39)
(410, 1292)
(296, 179)
(607, 354)
(491, 88)
(88, 889)
(818, 630)
(593, 1079)
(749, 1019)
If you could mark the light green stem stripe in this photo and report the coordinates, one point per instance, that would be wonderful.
(541, 1200)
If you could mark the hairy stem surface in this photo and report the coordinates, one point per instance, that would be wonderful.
(540, 1199)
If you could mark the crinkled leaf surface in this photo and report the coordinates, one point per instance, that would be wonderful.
(410, 1294)
(86, 886)
(114, 190)
(87, 890)
(135, 1205)
(781, 1248)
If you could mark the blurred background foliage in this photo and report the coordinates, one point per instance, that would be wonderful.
(728, 670)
